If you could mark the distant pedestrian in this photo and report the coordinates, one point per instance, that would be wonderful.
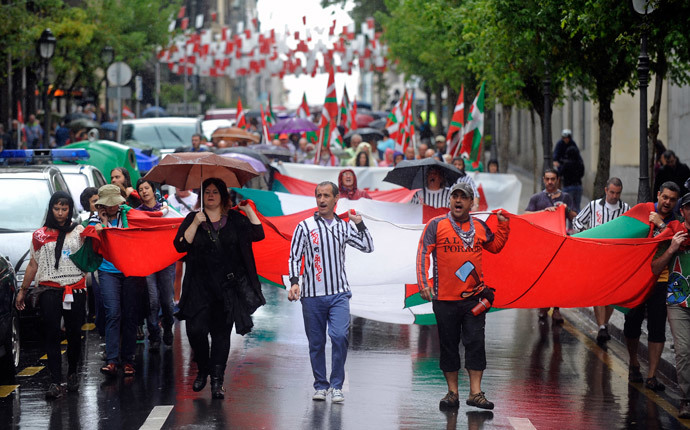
(492, 166)
(571, 171)
(347, 184)
(324, 291)
(34, 133)
(435, 191)
(62, 288)
(120, 177)
(221, 287)
(596, 213)
(672, 170)
(456, 242)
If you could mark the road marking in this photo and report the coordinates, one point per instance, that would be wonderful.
(64, 341)
(615, 365)
(30, 371)
(521, 423)
(6, 390)
(157, 417)
(45, 356)
(88, 326)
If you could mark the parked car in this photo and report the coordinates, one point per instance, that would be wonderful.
(210, 125)
(79, 177)
(162, 135)
(9, 323)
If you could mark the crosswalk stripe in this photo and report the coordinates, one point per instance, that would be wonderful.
(521, 423)
(6, 390)
(30, 371)
(157, 417)
(64, 341)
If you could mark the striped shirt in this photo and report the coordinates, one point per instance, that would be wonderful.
(598, 212)
(437, 198)
(323, 247)
(468, 179)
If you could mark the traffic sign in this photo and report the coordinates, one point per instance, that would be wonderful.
(119, 74)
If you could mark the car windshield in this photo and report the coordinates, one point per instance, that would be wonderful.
(76, 183)
(24, 203)
(159, 136)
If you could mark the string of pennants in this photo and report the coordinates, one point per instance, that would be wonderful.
(247, 51)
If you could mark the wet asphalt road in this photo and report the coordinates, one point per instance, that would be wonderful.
(538, 376)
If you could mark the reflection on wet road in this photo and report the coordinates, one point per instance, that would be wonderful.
(538, 376)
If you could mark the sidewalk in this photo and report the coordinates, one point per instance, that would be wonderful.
(583, 318)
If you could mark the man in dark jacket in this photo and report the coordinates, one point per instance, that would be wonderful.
(672, 170)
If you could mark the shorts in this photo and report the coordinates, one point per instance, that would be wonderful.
(456, 323)
(654, 308)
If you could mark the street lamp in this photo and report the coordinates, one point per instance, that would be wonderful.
(643, 7)
(107, 56)
(46, 50)
(546, 127)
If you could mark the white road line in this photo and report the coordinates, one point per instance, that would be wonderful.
(521, 423)
(157, 418)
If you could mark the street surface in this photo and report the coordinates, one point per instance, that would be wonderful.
(538, 376)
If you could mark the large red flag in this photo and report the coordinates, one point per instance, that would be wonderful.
(456, 124)
(328, 118)
(241, 121)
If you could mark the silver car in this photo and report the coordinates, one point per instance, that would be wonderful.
(163, 135)
(79, 177)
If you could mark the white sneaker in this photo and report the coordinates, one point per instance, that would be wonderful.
(337, 396)
(319, 395)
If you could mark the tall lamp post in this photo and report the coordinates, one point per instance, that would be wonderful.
(107, 56)
(46, 50)
(546, 138)
(643, 7)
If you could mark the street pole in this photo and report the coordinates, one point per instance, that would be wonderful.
(158, 85)
(185, 89)
(546, 138)
(46, 109)
(643, 191)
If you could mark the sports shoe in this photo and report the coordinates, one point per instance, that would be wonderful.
(479, 400)
(450, 401)
(73, 383)
(319, 395)
(634, 374)
(603, 336)
(337, 396)
(684, 410)
(654, 385)
(54, 391)
(109, 369)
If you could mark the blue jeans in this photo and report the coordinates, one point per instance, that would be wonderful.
(121, 302)
(160, 289)
(332, 311)
(98, 304)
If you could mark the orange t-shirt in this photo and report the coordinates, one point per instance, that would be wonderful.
(456, 269)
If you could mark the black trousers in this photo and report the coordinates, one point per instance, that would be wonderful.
(209, 321)
(51, 312)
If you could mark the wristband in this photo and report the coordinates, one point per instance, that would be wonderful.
(662, 226)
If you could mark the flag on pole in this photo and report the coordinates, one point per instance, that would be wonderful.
(456, 123)
(344, 111)
(328, 118)
(474, 130)
(241, 121)
(127, 112)
(264, 126)
(393, 122)
(270, 116)
(21, 137)
(353, 115)
(303, 109)
(406, 126)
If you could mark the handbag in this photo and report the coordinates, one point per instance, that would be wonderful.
(86, 258)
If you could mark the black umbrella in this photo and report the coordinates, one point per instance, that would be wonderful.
(412, 173)
(273, 152)
(80, 123)
(74, 115)
(367, 134)
(378, 124)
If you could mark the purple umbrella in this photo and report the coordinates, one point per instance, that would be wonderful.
(293, 125)
(256, 164)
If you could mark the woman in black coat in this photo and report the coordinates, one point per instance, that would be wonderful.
(221, 286)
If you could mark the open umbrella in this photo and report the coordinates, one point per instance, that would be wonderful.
(187, 170)
(246, 151)
(256, 164)
(293, 125)
(378, 124)
(412, 173)
(367, 134)
(363, 119)
(79, 123)
(154, 111)
(234, 134)
(273, 152)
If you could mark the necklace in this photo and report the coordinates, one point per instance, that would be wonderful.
(467, 237)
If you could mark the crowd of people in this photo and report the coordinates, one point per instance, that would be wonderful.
(221, 287)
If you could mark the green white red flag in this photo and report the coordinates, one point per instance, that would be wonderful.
(303, 109)
(344, 111)
(241, 121)
(393, 122)
(328, 119)
(264, 126)
(457, 122)
(474, 131)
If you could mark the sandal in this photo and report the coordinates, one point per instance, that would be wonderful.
(479, 400)
(128, 370)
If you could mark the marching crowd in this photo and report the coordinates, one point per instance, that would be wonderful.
(221, 287)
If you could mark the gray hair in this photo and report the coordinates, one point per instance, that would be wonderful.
(334, 187)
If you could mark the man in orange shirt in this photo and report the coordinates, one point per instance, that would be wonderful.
(456, 242)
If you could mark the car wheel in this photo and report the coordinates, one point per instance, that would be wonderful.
(16, 340)
(10, 361)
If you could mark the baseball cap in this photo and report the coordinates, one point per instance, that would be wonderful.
(440, 138)
(283, 136)
(566, 133)
(685, 200)
(463, 187)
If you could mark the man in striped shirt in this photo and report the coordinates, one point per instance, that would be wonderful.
(596, 213)
(459, 162)
(325, 294)
(434, 193)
